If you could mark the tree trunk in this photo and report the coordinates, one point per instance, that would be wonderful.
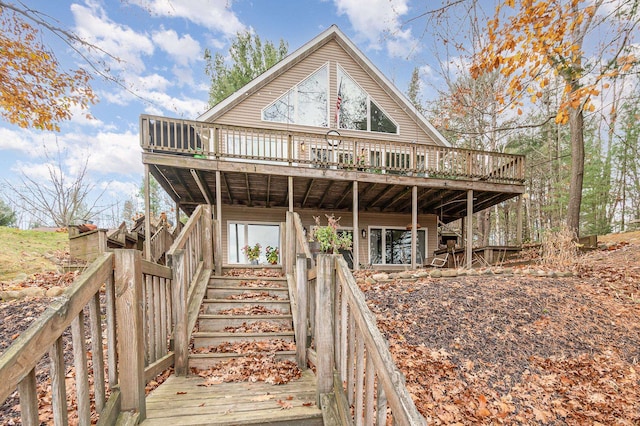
(576, 127)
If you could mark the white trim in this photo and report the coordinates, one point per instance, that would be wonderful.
(246, 224)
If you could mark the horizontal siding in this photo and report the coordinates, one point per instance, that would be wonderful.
(248, 112)
(365, 220)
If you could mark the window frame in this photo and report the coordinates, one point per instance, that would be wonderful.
(370, 99)
(294, 88)
(383, 230)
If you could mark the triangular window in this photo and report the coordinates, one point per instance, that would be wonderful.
(356, 110)
(306, 103)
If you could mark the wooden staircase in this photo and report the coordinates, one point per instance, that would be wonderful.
(234, 310)
(231, 325)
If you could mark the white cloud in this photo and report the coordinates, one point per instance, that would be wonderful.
(120, 189)
(378, 22)
(106, 152)
(126, 46)
(184, 50)
(216, 15)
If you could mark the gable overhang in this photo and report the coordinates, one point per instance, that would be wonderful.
(332, 33)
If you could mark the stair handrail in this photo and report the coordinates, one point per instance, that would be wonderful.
(352, 354)
(137, 348)
(191, 259)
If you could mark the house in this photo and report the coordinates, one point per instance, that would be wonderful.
(325, 132)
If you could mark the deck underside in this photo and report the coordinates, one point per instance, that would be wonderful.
(254, 185)
(185, 401)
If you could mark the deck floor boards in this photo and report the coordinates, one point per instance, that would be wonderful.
(184, 401)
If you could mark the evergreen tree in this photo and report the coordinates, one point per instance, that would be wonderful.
(249, 58)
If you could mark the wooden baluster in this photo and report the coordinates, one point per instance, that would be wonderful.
(149, 324)
(112, 353)
(359, 381)
(301, 321)
(96, 350)
(58, 389)
(381, 406)
(29, 400)
(344, 315)
(369, 390)
(157, 319)
(80, 365)
(351, 360)
(162, 287)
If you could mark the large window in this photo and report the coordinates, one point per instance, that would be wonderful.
(306, 103)
(392, 246)
(245, 233)
(357, 111)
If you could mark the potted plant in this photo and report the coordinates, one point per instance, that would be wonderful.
(252, 253)
(328, 237)
(272, 255)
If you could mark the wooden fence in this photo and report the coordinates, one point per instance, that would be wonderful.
(352, 360)
(210, 140)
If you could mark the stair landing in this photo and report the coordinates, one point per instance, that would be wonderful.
(184, 401)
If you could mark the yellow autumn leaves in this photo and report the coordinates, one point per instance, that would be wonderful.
(35, 91)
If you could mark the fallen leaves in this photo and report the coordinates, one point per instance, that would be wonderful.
(519, 349)
(261, 295)
(254, 272)
(258, 326)
(263, 367)
(250, 310)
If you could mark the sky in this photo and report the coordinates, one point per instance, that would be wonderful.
(159, 46)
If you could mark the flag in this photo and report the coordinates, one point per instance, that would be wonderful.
(338, 102)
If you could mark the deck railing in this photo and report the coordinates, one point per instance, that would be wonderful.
(137, 322)
(353, 362)
(232, 143)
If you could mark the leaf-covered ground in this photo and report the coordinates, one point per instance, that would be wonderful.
(514, 349)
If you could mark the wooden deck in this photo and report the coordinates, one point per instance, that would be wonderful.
(184, 401)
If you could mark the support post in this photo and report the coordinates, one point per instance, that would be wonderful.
(207, 237)
(325, 288)
(469, 230)
(356, 232)
(290, 249)
(128, 290)
(519, 221)
(147, 213)
(177, 215)
(301, 331)
(414, 227)
(290, 189)
(180, 332)
(218, 253)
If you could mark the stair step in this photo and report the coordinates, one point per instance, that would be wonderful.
(202, 339)
(224, 292)
(214, 306)
(206, 361)
(251, 282)
(210, 322)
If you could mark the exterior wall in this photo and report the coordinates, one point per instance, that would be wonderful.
(365, 220)
(248, 113)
